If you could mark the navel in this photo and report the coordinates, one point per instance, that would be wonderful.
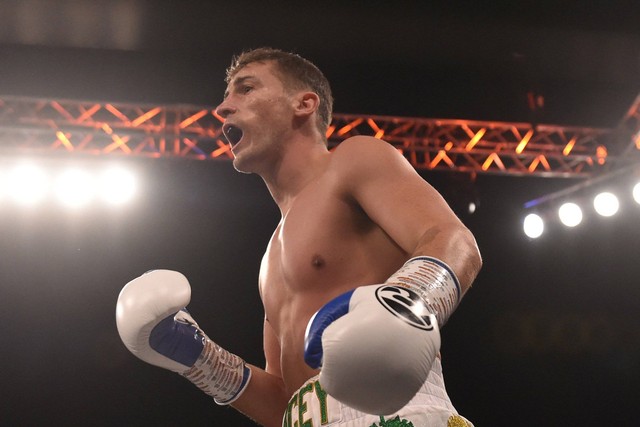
(317, 261)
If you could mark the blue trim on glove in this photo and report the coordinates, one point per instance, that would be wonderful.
(246, 375)
(330, 312)
(179, 342)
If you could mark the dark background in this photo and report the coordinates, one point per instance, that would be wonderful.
(548, 336)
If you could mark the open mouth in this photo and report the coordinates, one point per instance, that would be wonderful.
(233, 134)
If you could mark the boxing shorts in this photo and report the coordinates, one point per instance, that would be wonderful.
(311, 406)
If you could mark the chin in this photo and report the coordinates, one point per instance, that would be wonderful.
(242, 165)
(238, 169)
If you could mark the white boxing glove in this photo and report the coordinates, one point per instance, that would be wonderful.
(376, 344)
(154, 325)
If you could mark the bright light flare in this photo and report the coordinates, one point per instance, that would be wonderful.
(117, 186)
(606, 204)
(3, 184)
(570, 214)
(26, 184)
(533, 226)
(636, 193)
(74, 188)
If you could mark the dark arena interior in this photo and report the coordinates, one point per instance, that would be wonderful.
(506, 108)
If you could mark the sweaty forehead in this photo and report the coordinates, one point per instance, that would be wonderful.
(255, 70)
(266, 72)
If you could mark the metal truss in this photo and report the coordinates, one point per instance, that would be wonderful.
(624, 144)
(626, 138)
(485, 147)
(29, 125)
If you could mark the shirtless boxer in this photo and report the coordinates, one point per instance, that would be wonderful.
(367, 262)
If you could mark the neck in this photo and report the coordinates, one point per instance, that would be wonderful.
(300, 163)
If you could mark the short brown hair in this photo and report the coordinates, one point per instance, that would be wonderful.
(297, 72)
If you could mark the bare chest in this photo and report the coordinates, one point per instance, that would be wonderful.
(324, 246)
(311, 243)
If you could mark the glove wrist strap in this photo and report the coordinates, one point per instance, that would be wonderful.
(434, 281)
(219, 373)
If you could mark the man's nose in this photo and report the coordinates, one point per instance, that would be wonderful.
(225, 109)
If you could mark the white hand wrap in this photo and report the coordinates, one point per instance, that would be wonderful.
(219, 373)
(434, 281)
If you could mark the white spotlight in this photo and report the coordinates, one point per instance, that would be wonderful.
(533, 226)
(570, 214)
(606, 204)
(74, 188)
(117, 186)
(636, 193)
(26, 184)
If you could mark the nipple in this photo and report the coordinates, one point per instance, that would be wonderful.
(317, 261)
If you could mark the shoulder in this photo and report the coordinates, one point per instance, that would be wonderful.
(365, 155)
(364, 146)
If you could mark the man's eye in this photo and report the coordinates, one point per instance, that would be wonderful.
(246, 89)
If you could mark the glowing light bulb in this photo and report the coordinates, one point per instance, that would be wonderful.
(606, 204)
(533, 226)
(26, 184)
(74, 188)
(636, 193)
(570, 214)
(117, 186)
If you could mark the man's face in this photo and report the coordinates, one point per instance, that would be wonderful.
(258, 114)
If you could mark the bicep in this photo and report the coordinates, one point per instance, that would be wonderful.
(410, 210)
(399, 200)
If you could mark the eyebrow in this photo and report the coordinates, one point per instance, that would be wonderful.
(238, 82)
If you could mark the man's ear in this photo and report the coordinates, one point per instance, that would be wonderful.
(306, 103)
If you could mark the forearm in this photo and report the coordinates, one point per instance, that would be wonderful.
(264, 400)
(455, 246)
(441, 269)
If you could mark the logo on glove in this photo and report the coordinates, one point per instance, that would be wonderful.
(405, 304)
